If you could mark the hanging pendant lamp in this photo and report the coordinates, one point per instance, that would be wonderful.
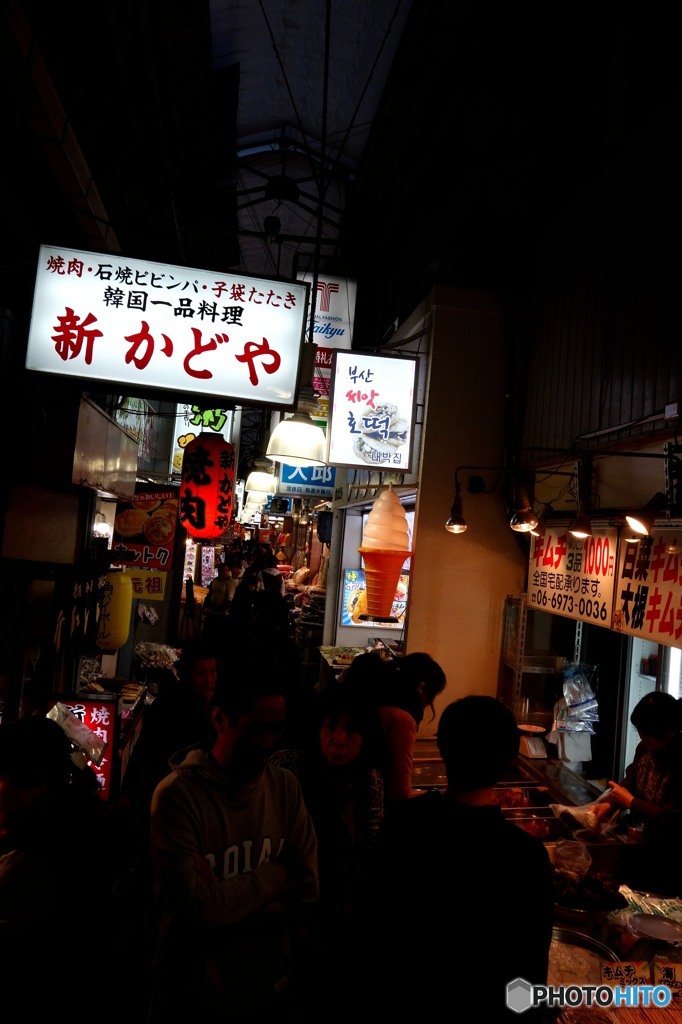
(257, 480)
(298, 442)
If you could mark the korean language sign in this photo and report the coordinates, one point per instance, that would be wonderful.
(372, 411)
(572, 577)
(102, 317)
(648, 600)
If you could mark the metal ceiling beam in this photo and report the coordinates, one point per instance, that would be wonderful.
(58, 138)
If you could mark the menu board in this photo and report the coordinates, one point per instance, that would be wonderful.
(572, 577)
(144, 529)
(648, 593)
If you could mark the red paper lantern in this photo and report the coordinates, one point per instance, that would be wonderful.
(207, 493)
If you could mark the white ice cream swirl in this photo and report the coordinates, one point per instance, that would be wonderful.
(386, 525)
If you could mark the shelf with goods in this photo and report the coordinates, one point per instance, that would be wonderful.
(528, 676)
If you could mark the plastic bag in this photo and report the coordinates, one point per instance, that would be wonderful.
(577, 710)
(583, 821)
(88, 743)
(572, 859)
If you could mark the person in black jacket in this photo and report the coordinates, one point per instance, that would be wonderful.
(460, 902)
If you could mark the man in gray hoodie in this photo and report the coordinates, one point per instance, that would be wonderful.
(234, 857)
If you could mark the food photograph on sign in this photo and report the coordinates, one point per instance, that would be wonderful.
(372, 411)
(354, 600)
(144, 529)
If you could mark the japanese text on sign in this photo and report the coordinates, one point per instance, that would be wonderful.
(144, 530)
(186, 330)
(307, 480)
(101, 718)
(572, 577)
(649, 589)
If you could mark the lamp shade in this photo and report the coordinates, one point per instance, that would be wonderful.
(581, 527)
(298, 442)
(115, 606)
(207, 494)
(257, 480)
(524, 519)
(642, 522)
(259, 497)
(456, 522)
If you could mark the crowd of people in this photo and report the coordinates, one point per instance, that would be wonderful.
(282, 865)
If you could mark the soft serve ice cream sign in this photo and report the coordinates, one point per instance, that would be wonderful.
(384, 549)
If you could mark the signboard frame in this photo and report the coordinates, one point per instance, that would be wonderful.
(372, 411)
(574, 577)
(182, 332)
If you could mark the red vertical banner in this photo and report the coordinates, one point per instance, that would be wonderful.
(207, 492)
(101, 717)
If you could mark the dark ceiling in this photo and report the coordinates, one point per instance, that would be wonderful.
(401, 144)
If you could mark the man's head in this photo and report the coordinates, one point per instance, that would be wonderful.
(478, 740)
(198, 670)
(248, 715)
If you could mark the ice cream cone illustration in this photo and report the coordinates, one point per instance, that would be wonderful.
(385, 546)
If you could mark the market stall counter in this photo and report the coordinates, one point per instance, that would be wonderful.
(601, 925)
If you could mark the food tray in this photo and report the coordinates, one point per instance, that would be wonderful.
(429, 773)
(547, 828)
(574, 958)
(521, 796)
(656, 927)
(529, 812)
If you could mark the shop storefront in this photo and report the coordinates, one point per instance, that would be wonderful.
(610, 604)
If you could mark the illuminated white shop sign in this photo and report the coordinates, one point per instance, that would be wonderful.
(649, 588)
(334, 309)
(372, 411)
(100, 317)
(572, 577)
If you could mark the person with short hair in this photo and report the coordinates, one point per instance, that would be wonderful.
(234, 857)
(454, 875)
(651, 793)
(269, 577)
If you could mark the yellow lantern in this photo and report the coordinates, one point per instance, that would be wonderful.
(115, 608)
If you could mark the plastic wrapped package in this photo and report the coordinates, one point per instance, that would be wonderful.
(583, 820)
(88, 743)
